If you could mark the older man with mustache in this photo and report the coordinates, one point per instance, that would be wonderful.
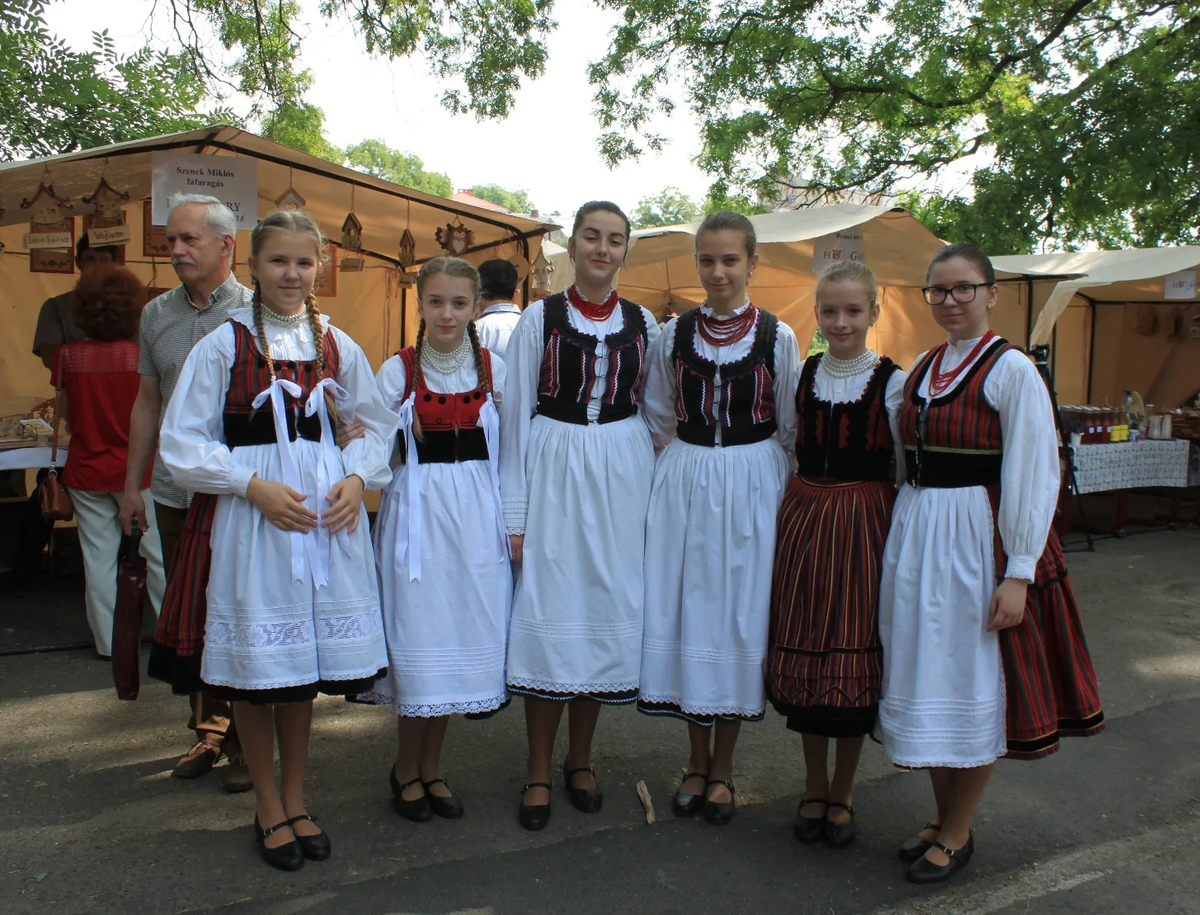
(201, 231)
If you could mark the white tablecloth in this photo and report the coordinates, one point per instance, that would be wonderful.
(1131, 465)
(30, 458)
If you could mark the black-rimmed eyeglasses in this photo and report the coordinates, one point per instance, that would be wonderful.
(962, 293)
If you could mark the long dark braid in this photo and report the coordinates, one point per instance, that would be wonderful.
(418, 377)
(478, 351)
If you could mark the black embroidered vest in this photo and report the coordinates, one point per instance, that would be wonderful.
(746, 395)
(569, 366)
(844, 441)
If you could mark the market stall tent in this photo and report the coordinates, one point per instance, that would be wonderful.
(1109, 321)
(660, 270)
(375, 305)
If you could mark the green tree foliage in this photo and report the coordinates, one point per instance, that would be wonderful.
(513, 201)
(669, 207)
(374, 157)
(54, 99)
(1077, 121)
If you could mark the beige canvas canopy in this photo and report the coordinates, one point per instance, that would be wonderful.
(372, 305)
(1109, 322)
(661, 270)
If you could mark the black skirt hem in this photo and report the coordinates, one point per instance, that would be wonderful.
(622, 697)
(179, 671)
(828, 720)
(672, 710)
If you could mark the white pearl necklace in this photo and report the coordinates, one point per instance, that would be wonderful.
(848, 368)
(271, 317)
(445, 363)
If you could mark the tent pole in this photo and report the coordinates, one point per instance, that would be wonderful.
(1028, 312)
(403, 316)
(1091, 348)
(525, 285)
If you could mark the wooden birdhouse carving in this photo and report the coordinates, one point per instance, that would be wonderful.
(291, 200)
(352, 233)
(408, 249)
(542, 268)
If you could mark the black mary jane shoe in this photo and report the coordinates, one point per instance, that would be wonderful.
(315, 848)
(287, 857)
(809, 829)
(534, 816)
(839, 835)
(419, 810)
(924, 871)
(686, 805)
(585, 800)
(449, 808)
(915, 847)
(718, 813)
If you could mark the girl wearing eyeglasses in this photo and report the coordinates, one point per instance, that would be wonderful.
(984, 652)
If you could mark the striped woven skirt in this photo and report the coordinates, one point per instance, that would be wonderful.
(1050, 683)
(824, 661)
(179, 637)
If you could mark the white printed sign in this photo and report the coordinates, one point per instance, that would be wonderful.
(35, 240)
(113, 235)
(1181, 285)
(231, 179)
(832, 249)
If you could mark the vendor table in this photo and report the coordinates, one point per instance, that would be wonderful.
(1133, 465)
(30, 458)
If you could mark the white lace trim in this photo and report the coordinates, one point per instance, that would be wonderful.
(470, 707)
(547, 686)
(287, 684)
(347, 627)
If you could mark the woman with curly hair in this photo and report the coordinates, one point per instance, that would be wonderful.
(98, 381)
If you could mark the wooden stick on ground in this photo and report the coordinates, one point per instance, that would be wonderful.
(643, 794)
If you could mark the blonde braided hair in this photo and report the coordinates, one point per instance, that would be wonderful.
(302, 224)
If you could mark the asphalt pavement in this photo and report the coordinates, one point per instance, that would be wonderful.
(92, 822)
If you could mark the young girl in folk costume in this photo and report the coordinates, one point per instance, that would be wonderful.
(722, 380)
(293, 602)
(441, 547)
(824, 662)
(575, 468)
(984, 653)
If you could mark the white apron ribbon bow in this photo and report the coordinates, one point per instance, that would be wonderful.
(291, 472)
(489, 419)
(332, 459)
(408, 534)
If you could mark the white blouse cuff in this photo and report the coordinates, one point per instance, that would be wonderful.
(515, 515)
(1021, 567)
(239, 479)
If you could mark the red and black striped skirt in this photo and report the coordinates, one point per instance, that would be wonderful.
(179, 638)
(824, 659)
(1050, 684)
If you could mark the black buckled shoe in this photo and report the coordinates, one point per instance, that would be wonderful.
(809, 829)
(915, 848)
(686, 805)
(449, 808)
(839, 835)
(534, 816)
(924, 871)
(315, 848)
(287, 857)
(718, 813)
(585, 800)
(417, 810)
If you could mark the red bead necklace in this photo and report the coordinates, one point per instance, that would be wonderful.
(939, 381)
(591, 310)
(729, 331)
